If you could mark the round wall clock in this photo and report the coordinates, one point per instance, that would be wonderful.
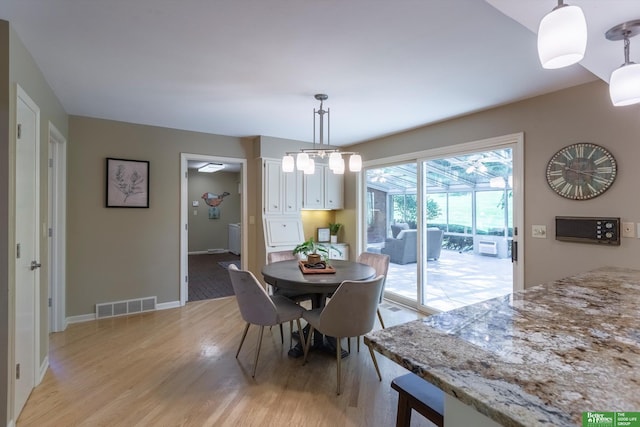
(581, 171)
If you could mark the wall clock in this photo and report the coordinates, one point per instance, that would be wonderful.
(581, 171)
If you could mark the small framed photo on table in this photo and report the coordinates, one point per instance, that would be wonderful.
(323, 235)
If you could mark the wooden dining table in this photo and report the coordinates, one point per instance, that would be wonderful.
(288, 275)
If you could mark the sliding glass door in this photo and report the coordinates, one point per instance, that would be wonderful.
(447, 224)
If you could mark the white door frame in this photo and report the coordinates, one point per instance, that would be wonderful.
(516, 141)
(184, 214)
(57, 229)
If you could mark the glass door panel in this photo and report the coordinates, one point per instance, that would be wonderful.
(391, 226)
(466, 243)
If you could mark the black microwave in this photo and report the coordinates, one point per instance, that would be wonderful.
(598, 230)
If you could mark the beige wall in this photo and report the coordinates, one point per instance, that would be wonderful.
(117, 254)
(205, 233)
(550, 122)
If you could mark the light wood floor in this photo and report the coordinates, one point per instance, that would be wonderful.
(177, 368)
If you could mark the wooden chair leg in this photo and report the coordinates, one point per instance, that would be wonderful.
(255, 363)
(301, 333)
(380, 319)
(375, 363)
(244, 335)
(308, 344)
(403, 417)
(338, 358)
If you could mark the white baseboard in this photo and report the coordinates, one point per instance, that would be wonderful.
(92, 316)
(43, 369)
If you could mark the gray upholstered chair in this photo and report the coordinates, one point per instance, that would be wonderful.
(295, 296)
(434, 242)
(258, 308)
(402, 249)
(351, 312)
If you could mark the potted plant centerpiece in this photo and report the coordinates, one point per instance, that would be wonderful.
(312, 250)
(333, 230)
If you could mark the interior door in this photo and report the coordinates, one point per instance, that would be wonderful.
(27, 250)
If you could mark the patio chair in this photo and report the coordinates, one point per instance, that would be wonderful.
(258, 308)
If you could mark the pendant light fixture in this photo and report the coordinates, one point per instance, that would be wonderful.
(624, 84)
(304, 159)
(562, 36)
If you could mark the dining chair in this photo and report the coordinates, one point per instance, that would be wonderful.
(351, 312)
(380, 263)
(297, 297)
(257, 307)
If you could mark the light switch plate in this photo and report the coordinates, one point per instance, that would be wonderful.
(539, 231)
(628, 230)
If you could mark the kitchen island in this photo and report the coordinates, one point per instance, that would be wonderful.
(539, 357)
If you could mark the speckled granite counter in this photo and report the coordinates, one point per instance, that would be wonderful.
(537, 357)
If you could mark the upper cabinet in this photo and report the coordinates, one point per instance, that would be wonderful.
(282, 191)
(287, 193)
(323, 189)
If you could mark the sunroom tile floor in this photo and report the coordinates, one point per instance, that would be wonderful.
(454, 280)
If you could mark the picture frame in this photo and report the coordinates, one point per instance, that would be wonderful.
(324, 235)
(127, 183)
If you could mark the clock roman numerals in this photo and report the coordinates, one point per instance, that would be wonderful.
(581, 171)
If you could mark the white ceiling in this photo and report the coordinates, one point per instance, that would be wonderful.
(251, 67)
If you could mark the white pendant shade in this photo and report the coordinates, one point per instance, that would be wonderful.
(334, 160)
(302, 161)
(624, 85)
(339, 169)
(288, 163)
(562, 37)
(310, 169)
(355, 163)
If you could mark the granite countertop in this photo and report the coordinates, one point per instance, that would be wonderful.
(536, 357)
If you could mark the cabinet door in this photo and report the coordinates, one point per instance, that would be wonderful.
(273, 187)
(333, 190)
(292, 191)
(314, 190)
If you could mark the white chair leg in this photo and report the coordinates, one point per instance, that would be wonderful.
(255, 363)
(244, 335)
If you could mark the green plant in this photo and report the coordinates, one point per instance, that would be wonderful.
(334, 228)
(310, 246)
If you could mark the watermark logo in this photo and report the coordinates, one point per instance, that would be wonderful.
(611, 419)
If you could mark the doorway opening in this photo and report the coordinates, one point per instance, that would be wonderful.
(213, 209)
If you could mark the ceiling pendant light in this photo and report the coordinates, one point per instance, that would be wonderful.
(305, 157)
(562, 36)
(624, 84)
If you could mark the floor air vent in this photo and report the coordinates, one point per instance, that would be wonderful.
(120, 308)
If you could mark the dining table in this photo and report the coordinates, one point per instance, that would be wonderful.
(288, 275)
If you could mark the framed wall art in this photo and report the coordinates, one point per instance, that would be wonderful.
(127, 183)
(323, 235)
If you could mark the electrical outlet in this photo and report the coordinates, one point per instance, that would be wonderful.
(628, 229)
(539, 231)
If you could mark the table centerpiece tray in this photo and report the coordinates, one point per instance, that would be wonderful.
(306, 270)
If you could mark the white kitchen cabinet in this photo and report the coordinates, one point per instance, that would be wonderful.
(338, 251)
(281, 191)
(323, 189)
(235, 238)
(333, 190)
